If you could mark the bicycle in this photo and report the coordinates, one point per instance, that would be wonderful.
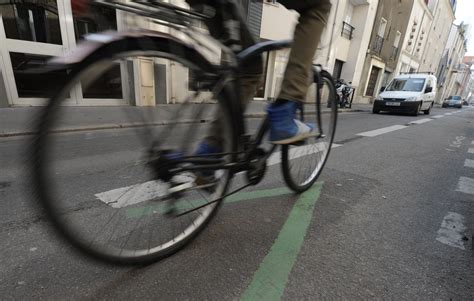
(165, 208)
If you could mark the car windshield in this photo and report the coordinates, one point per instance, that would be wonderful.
(455, 98)
(407, 84)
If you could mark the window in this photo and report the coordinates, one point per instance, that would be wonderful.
(106, 86)
(29, 20)
(98, 19)
(382, 27)
(409, 84)
(396, 42)
(28, 83)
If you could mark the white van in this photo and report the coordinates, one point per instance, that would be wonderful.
(407, 93)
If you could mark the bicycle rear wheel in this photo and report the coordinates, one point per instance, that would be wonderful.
(100, 187)
(302, 163)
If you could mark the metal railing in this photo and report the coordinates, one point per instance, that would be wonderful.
(347, 30)
(377, 44)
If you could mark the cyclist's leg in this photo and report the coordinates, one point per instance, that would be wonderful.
(307, 35)
(251, 73)
(296, 80)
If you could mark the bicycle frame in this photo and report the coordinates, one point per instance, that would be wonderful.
(181, 19)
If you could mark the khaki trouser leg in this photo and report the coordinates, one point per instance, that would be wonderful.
(306, 39)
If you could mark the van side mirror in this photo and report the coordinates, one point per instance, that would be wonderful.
(382, 89)
(428, 90)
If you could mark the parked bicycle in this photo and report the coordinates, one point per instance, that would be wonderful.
(151, 206)
(344, 92)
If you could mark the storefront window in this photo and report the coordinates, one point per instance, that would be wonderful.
(108, 85)
(96, 20)
(32, 20)
(29, 81)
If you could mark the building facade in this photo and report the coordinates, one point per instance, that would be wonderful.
(32, 32)
(382, 56)
(450, 78)
(438, 35)
(342, 47)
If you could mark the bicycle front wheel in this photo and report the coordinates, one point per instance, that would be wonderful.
(303, 162)
(100, 186)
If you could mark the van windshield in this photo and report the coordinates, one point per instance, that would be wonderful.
(406, 84)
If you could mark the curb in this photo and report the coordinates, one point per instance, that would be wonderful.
(137, 125)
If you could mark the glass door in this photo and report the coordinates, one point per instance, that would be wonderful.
(33, 31)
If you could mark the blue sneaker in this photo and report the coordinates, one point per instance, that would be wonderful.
(285, 129)
(206, 177)
(206, 149)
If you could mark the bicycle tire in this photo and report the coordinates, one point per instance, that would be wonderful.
(305, 153)
(47, 191)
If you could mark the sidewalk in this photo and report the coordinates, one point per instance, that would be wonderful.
(19, 121)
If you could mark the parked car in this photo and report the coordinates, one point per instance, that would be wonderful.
(408, 93)
(452, 101)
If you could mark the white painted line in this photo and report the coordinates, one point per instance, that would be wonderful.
(382, 131)
(452, 230)
(470, 150)
(126, 196)
(469, 163)
(301, 151)
(466, 185)
(437, 116)
(138, 193)
(421, 121)
(448, 114)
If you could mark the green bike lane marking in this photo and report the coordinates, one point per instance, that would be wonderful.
(242, 196)
(270, 280)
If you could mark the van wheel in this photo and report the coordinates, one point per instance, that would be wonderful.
(375, 110)
(417, 111)
(427, 112)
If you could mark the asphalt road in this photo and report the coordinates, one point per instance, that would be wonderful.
(392, 217)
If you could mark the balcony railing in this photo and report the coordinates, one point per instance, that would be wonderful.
(347, 31)
(377, 44)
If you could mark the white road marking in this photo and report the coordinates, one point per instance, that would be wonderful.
(466, 185)
(421, 121)
(134, 194)
(452, 230)
(469, 163)
(470, 150)
(437, 116)
(382, 131)
(448, 114)
(275, 158)
(138, 193)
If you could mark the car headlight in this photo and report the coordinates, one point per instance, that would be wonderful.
(412, 99)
